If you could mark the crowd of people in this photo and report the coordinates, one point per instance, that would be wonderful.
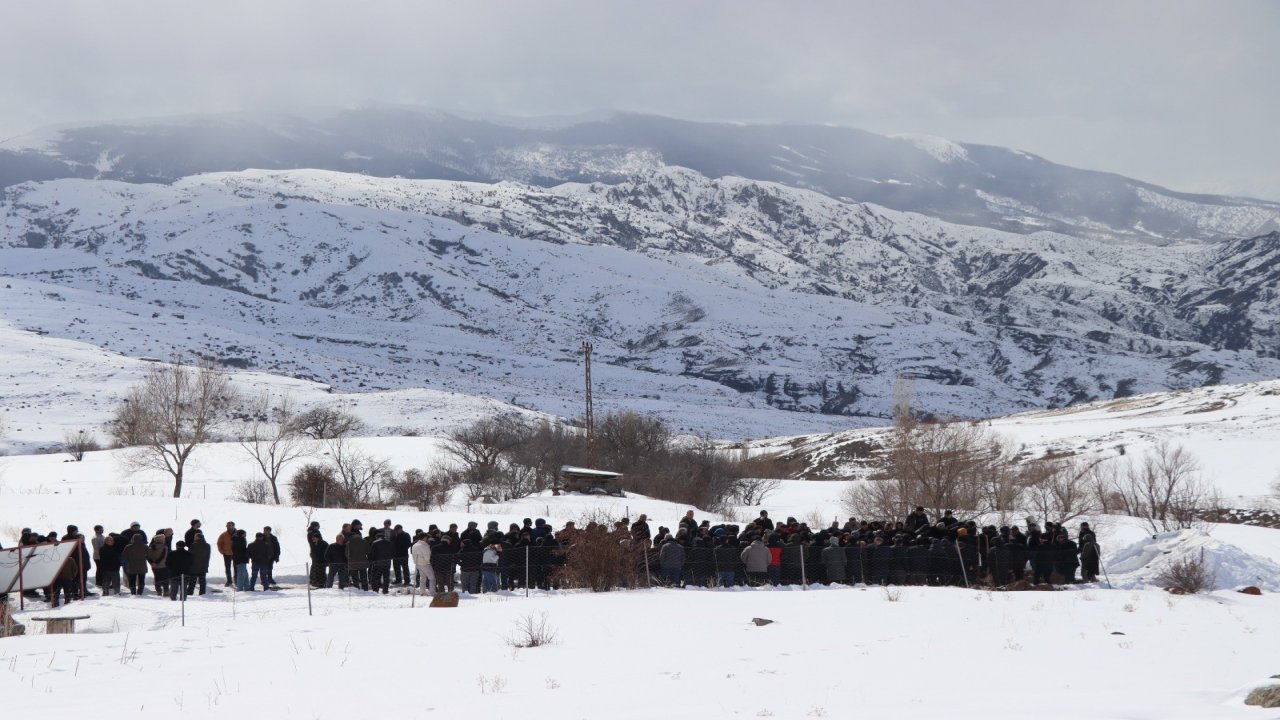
(916, 550)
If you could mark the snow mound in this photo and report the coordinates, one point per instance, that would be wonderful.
(1139, 564)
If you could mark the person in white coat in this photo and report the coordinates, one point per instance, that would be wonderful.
(421, 553)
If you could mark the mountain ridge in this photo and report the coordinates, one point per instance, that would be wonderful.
(992, 187)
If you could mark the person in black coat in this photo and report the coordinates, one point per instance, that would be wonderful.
(444, 558)
(240, 559)
(381, 553)
(179, 563)
(273, 543)
(401, 541)
(259, 558)
(358, 559)
(1090, 554)
(1066, 557)
(201, 552)
(319, 550)
(109, 562)
(335, 558)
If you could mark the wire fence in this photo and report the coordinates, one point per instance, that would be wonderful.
(252, 592)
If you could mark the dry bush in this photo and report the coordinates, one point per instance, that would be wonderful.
(424, 490)
(1189, 575)
(315, 485)
(531, 631)
(257, 491)
(80, 442)
(601, 558)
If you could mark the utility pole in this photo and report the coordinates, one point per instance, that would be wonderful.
(590, 419)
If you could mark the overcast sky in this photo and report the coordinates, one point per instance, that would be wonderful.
(1186, 95)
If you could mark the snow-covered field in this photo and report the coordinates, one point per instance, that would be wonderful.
(643, 654)
(1129, 652)
(1119, 649)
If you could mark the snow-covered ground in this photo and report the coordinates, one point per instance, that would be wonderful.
(646, 653)
(1131, 652)
(1122, 648)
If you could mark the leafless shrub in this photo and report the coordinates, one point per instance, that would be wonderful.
(1187, 575)
(256, 491)
(79, 442)
(316, 485)
(424, 490)
(601, 556)
(532, 630)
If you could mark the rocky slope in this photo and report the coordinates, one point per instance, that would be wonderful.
(716, 302)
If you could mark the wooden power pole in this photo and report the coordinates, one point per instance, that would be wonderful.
(590, 419)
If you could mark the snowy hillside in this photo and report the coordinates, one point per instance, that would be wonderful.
(718, 304)
(1231, 430)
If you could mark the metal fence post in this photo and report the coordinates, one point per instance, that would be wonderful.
(526, 570)
(804, 579)
(182, 590)
(963, 572)
(308, 567)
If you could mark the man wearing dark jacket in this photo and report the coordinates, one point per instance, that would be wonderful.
(259, 557)
(273, 543)
(381, 553)
(134, 557)
(109, 565)
(201, 552)
(319, 558)
(358, 559)
(179, 563)
(157, 553)
(401, 541)
(240, 559)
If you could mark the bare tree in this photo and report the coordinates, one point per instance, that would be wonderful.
(1060, 489)
(326, 423)
(941, 466)
(273, 439)
(481, 449)
(79, 442)
(627, 440)
(754, 491)
(175, 409)
(358, 475)
(1165, 489)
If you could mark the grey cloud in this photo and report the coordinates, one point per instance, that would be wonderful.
(1182, 94)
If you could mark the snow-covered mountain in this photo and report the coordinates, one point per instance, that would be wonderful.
(718, 303)
(964, 183)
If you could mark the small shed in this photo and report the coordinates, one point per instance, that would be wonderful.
(590, 482)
